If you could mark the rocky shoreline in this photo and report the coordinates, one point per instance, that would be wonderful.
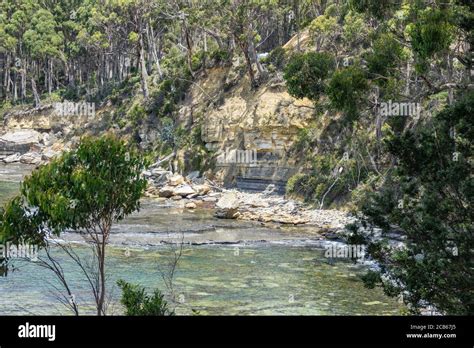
(29, 146)
(193, 192)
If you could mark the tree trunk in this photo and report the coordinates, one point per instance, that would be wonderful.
(253, 55)
(101, 259)
(154, 50)
(253, 81)
(190, 49)
(35, 92)
(144, 73)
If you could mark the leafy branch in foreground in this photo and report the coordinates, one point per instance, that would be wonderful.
(138, 303)
(429, 199)
(85, 190)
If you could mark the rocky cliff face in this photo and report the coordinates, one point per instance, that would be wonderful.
(232, 116)
(235, 117)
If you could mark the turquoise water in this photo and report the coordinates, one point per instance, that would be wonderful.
(227, 268)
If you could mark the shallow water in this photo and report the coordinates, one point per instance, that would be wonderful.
(227, 267)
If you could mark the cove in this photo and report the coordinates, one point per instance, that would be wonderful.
(228, 267)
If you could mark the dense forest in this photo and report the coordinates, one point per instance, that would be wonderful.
(389, 81)
(85, 47)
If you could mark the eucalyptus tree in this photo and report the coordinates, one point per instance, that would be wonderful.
(85, 190)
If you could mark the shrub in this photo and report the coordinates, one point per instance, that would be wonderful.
(306, 74)
(138, 303)
(385, 57)
(429, 198)
(347, 89)
(277, 57)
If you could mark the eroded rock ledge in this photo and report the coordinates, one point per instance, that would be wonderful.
(193, 192)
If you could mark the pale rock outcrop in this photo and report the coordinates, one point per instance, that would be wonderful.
(184, 190)
(12, 158)
(30, 158)
(166, 191)
(176, 180)
(227, 206)
(19, 141)
(202, 190)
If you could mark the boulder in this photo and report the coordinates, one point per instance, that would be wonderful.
(269, 190)
(166, 191)
(227, 206)
(193, 175)
(209, 199)
(12, 158)
(184, 190)
(202, 189)
(160, 176)
(190, 205)
(47, 139)
(255, 202)
(57, 147)
(30, 158)
(176, 180)
(49, 154)
(19, 141)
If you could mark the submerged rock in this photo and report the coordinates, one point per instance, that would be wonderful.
(190, 205)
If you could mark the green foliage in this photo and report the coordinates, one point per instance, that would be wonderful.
(138, 303)
(347, 90)
(197, 60)
(170, 90)
(293, 183)
(197, 154)
(330, 178)
(101, 180)
(430, 199)
(88, 188)
(277, 57)
(306, 74)
(431, 33)
(220, 56)
(136, 113)
(19, 224)
(42, 39)
(375, 8)
(355, 29)
(386, 56)
(324, 25)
